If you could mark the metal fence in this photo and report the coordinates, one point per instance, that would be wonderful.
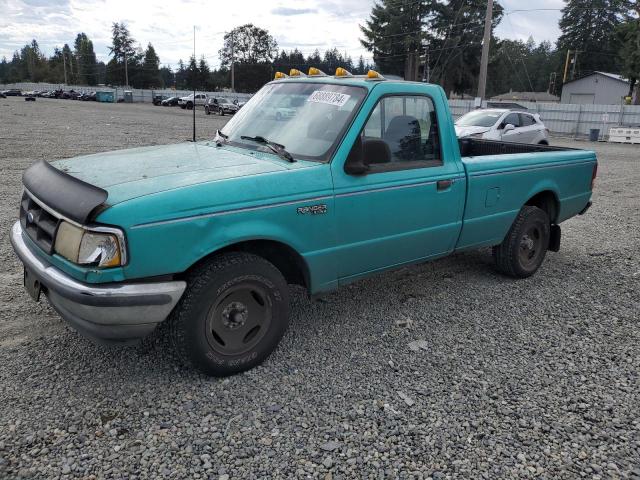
(571, 120)
(139, 95)
(560, 118)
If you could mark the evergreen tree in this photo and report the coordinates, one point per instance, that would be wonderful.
(589, 26)
(151, 68)
(395, 30)
(456, 47)
(122, 50)
(85, 61)
(628, 34)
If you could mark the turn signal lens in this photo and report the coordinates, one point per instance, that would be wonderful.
(294, 72)
(316, 72)
(280, 75)
(342, 72)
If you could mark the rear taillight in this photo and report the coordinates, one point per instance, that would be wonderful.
(593, 175)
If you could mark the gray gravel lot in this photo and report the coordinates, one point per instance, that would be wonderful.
(535, 378)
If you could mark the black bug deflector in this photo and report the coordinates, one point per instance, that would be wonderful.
(67, 195)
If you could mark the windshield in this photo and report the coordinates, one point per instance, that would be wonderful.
(479, 118)
(308, 119)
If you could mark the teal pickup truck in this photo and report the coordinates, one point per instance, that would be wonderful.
(318, 181)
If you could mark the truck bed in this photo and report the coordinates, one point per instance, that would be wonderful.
(475, 147)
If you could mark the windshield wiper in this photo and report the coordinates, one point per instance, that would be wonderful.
(275, 147)
(220, 136)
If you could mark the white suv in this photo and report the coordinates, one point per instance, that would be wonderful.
(503, 125)
(187, 102)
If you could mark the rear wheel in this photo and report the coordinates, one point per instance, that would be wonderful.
(232, 316)
(523, 250)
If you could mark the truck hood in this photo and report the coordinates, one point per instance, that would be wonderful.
(132, 173)
(466, 131)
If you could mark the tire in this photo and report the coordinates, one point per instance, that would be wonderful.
(183, 106)
(523, 250)
(206, 110)
(232, 315)
(189, 106)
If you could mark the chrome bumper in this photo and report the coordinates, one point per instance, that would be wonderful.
(110, 311)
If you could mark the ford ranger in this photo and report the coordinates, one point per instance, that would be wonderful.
(365, 176)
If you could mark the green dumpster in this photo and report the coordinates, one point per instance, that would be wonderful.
(105, 97)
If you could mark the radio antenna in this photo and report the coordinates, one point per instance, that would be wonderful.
(193, 77)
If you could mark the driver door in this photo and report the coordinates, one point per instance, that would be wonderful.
(408, 206)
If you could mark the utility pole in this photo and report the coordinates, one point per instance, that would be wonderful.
(484, 61)
(64, 63)
(566, 67)
(575, 62)
(426, 72)
(233, 83)
(126, 72)
(194, 83)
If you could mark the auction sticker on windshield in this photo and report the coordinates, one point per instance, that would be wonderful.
(330, 98)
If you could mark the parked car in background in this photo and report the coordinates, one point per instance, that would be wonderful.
(504, 125)
(12, 92)
(170, 102)
(90, 96)
(157, 99)
(188, 102)
(220, 106)
(2, 95)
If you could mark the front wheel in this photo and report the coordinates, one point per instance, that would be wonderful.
(232, 316)
(206, 110)
(523, 250)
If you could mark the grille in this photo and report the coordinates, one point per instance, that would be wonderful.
(39, 224)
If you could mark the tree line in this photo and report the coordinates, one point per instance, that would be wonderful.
(435, 40)
(255, 52)
(442, 41)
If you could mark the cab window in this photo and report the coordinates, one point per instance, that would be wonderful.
(402, 132)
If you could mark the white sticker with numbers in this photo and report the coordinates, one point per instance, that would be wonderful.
(330, 98)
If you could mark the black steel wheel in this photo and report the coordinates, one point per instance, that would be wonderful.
(523, 249)
(239, 320)
(232, 315)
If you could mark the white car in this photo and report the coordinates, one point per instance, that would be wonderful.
(503, 125)
(187, 102)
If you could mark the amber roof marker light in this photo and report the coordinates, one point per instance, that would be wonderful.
(280, 76)
(343, 72)
(373, 75)
(316, 72)
(294, 72)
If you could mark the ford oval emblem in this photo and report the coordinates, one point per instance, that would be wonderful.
(30, 217)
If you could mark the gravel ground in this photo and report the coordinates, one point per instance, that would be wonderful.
(535, 378)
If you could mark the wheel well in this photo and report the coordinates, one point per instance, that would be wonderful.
(546, 201)
(290, 263)
(543, 142)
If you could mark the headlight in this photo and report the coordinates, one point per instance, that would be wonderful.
(476, 135)
(100, 246)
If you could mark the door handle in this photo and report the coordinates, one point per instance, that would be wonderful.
(443, 184)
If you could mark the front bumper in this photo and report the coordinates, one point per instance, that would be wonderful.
(112, 312)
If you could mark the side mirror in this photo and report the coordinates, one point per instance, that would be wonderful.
(508, 127)
(355, 164)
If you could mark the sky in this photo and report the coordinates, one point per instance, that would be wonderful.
(305, 24)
